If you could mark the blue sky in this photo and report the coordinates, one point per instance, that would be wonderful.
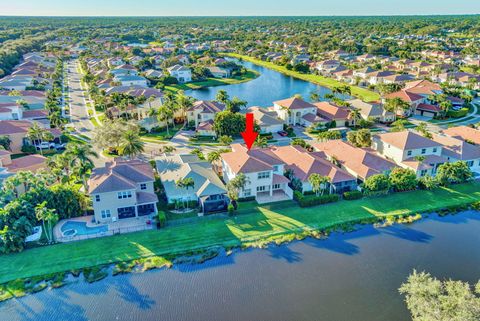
(236, 7)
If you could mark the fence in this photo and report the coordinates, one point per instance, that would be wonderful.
(110, 232)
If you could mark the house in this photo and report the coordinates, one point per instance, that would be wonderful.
(152, 73)
(424, 88)
(294, 110)
(203, 110)
(327, 65)
(455, 149)
(412, 99)
(338, 54)
(122, 189)
(363, 72)
(131, 80)
(267, 119)
(333, 113)
(30, 163)
(265, 169)
(207, 187)
(17, 131)
(468, 134)
(358, 162)
(181, 73)
(397, 79)
(374, 111)
(219, 72)
(114, 62)
(378, 77)
(410, 150)
(12, 82)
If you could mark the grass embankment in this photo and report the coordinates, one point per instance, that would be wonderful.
(257, 225)
(362, 93)
(213, 82)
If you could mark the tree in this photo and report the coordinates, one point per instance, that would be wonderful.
(198, 152)
(360, 138)
(5, 142)
(329, 135)
(185, 184)
(228, 123)
(423, 128)
(396, 104)
(131, 144)
(183, 102)
(235, 104)
(234, 186)
(225, 140)
(428, 182)
(261, 141)
(355, 115)
(319, 183)
(222, 96)
(48, 217)
(377, 184)
(56, 120)
(37, 134)
(403, 179)
(314, 96)
(214, 157)
(430, 299)
(399, 125)
(453, 173)
(165, 114)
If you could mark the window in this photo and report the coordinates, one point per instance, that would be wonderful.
(97, 198)
(424, 151)
(143, 186)
(276, 186)
(106, 213)
(275, 168)
(423, 172)
(247, 192)
(470, 163)
(409, 153)
(435, 149)
(263, 175)
(261, 188)
(127, 194)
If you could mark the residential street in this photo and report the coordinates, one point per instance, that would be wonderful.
(78, 108)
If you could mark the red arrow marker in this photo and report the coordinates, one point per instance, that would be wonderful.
(249, 135)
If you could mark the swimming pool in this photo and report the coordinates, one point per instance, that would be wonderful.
(73, 228)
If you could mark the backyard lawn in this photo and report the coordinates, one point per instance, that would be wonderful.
(364, 94)
(212, 82)
(255, 224)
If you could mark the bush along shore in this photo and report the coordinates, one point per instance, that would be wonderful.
(24, 286)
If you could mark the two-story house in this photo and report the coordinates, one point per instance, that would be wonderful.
(456, 149)
(294, 111)
(202, 113)
(122, 189)
(181, 73)
(410, 150)
(373, 111)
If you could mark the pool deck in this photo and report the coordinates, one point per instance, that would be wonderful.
(118, 227)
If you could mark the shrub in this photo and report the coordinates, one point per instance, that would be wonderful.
(458, 113)
(352, 195)
(247, 199)
(162, 219)
(230, 209)
(308, 201)
(29, 149)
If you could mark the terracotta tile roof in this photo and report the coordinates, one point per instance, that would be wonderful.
(405, 96)
(425, 164)
(293, 103)
(206, 125)
(457, 148)
(331, 112)
(206, 106)
(29, 162)
(119, 175)
(465, 133)
(423, 87)
(428, 107)
(407, 140)
(40, 113)
(363, 161)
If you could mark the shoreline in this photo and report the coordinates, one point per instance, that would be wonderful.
(362, 93)
(22, 287)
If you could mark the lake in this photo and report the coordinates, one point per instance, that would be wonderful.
(270, 86)
(352, 276)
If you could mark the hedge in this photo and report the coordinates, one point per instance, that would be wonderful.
(352, 195)
(312, 200)
(162, 219)
(458, 113)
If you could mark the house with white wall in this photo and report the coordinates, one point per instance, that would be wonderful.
(181, 73)
(122, 189)
(293, 110)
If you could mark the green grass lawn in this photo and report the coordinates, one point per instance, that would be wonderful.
(364, 94)
(255, 224)
(161, 136)
(212, 82)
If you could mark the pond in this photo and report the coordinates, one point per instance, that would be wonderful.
(270, 86)
(353, 276)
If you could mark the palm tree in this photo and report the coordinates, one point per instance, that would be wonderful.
(445, 105)
(82, 172)
(80, 153)
(22, 102)
(236, 104)
(234, 186)
(355, 115)
(56, 120)
(47, 216)
(222, 96)
(396, 104)
(318, 182)
(131, 144)
(314, 96)
(185, 184)
(261, 141)
(214, 157)
(184, 102)
(37, 133)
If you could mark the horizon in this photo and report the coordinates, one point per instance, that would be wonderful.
(248, 8)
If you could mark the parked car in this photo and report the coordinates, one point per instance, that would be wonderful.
(282, 133)
(45, 145)
(60, 146)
